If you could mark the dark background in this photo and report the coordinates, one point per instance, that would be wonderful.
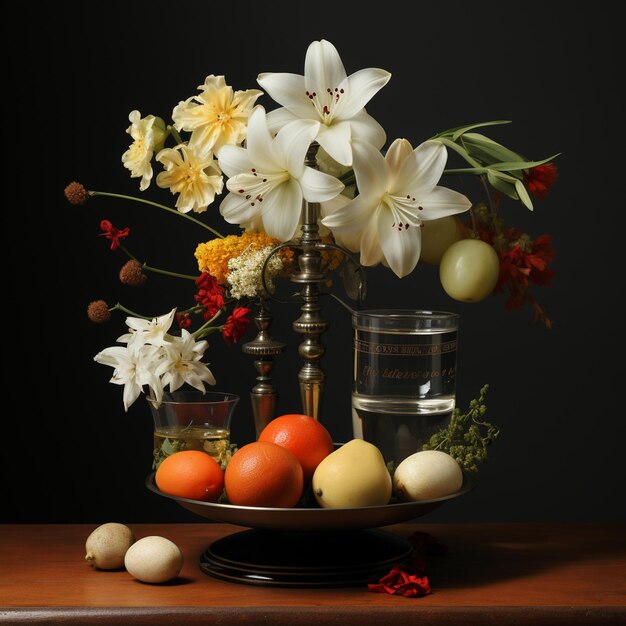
(71, 454)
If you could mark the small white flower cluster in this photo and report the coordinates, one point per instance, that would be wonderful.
(245, 278)
(154, 358)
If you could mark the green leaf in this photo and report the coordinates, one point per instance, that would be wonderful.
(523, 194)
(466, 170)
(497, 182)
(487, 150)
(509, 166)
(462, 129)
(459, 150)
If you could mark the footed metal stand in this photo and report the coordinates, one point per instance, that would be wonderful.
(305, 559)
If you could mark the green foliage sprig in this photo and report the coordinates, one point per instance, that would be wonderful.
(468, 435)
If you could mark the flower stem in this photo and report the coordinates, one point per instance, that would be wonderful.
(159, 206)
(128, 253)
(121, 307)
(483, 180)
(198, 334)
(156, 270)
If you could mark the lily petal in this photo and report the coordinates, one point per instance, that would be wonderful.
(371, 170)
(335, 140)
(235, 209)
(401, 246)
(282, 210)
(359, 89)
(419, 175)
(258, 142)
(289, 91)
(442, 202)
(353, 216)
(277, 118)
(323, 68)
(319, 187)
(291, 145)
(234, 160)
(131, 393)
(371, 252)
(365, 128)
(399, 151)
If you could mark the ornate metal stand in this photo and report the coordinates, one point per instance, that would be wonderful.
(310, 275)
(310, 323)
(263, 395)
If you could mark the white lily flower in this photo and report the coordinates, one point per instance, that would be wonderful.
(216, 116)
(134, 366)
(325, 94)
(148, 331)
(194, 175)
(268, 178)
(396, 193)
(182, 363)
(148, 135)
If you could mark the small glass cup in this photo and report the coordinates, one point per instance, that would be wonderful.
(192, 420)
(404, 377)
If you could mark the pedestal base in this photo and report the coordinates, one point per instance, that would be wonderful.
(305, 559)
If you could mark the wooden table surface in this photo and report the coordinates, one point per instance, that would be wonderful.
(562, 574)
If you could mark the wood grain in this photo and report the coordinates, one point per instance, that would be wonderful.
(493, 573)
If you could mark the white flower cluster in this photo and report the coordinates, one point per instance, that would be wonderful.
(245, 278)
(154, 358)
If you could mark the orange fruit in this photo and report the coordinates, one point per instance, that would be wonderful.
(190, 474)
(263, 474)
(302, 435)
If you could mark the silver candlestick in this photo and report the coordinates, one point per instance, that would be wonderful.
(310, 275)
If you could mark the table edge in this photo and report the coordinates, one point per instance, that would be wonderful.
(388, 615)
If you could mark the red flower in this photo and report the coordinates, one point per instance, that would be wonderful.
(539, 179)
(524, 262)
(402, 581)
(183, 319)
(114, 234)
(236, 324)
(210, 295)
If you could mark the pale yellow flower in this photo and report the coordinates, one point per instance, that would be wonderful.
(216, 116)
(148, 134)
(194, 175)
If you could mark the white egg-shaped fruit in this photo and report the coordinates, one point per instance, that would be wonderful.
(469, 270)
(438, 236)
(154, 559)
(427, 475)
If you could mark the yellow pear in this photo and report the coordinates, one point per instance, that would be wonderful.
(353, 475)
